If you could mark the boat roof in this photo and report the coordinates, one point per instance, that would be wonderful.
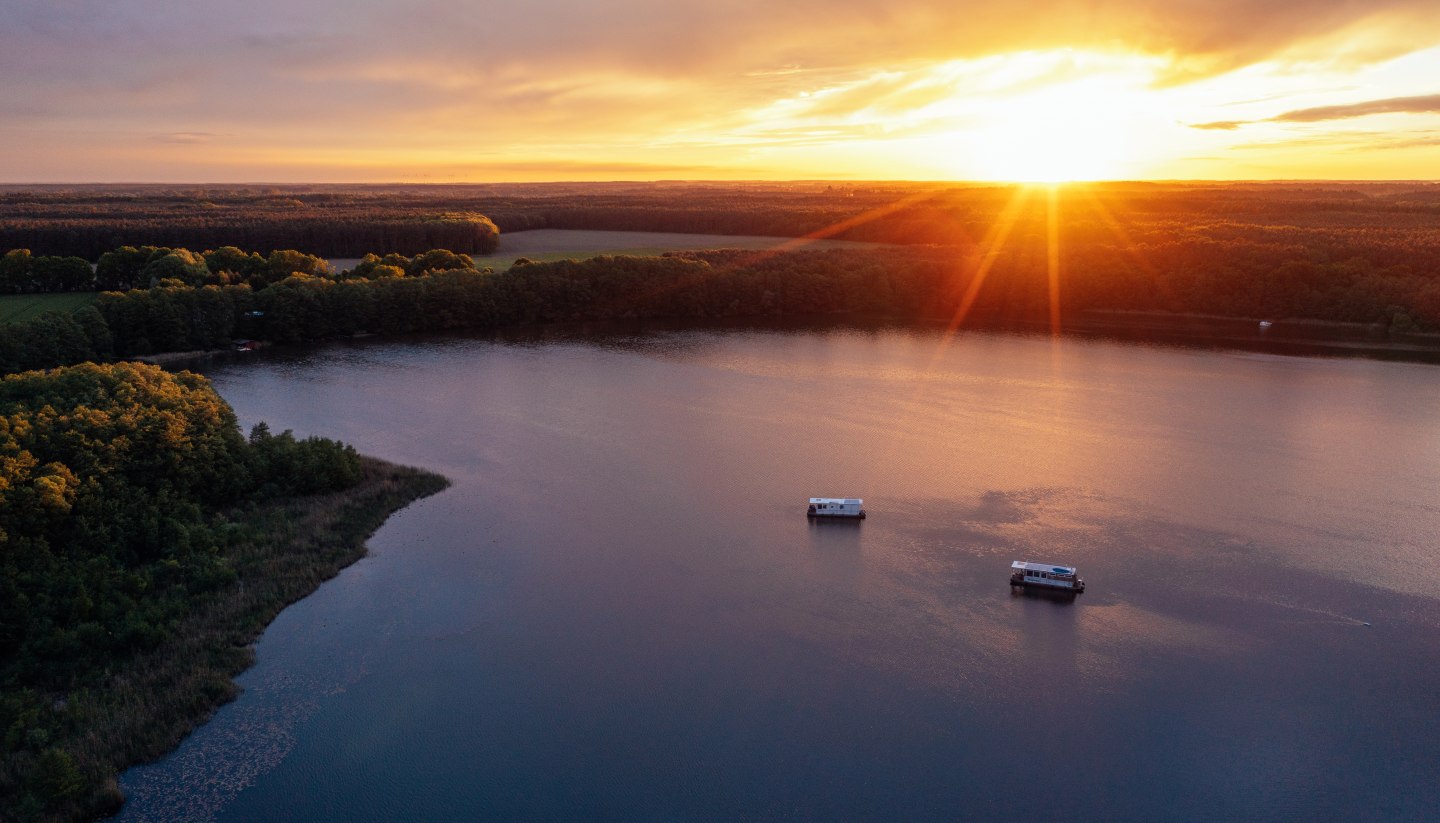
(853, 501)
(1052, 568)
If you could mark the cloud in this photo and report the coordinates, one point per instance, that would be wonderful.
(589, 170)
(65, 43)
(441, 76)
(186, 137)
(1424, 104)
(1417, 142)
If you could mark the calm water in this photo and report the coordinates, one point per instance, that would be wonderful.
(620, 612)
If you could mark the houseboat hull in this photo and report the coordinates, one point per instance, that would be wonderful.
(1048, 585)
(1046, 577)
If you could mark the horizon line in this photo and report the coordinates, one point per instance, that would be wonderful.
(713, 181)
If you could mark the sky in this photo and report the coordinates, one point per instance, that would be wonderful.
(451, 91)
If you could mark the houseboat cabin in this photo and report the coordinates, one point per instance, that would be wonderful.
(1046, 576)
(836, 507)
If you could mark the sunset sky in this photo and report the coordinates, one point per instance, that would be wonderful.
(443, 90)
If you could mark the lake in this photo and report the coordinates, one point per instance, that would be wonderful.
(619, 610)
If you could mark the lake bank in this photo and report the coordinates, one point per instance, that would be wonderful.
(1282, 335)
(285, 551)
(1301, 338)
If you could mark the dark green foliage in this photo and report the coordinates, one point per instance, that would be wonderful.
(374, 267)
(52, 339)
(90, 223)
(439, 260)
(182, 265)
(239, 265)
(391, 295)
(24, 273)
(119, 270)
(52, 274)
(285, 466)
(282, 264)
(114, 481)
(15, 269)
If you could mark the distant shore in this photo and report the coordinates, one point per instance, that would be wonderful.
(1287, 336)
(1294, 337)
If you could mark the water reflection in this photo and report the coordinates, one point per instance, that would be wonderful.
(1031, 593)
(619, 611)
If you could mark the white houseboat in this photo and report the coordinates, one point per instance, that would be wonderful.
(1046, 576)
(836, 507)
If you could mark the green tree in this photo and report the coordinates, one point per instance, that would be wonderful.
(439, 260)
(285, 262)
(54, 274)
(236, 262)
(15, 271)
(176, 264)
(119, 270)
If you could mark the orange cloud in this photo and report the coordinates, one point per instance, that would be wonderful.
(1422, 104)
(630, 83)
(1425, 104)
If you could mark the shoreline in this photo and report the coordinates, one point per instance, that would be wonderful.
(1301, 337)
(152, 702)
(1293, 337)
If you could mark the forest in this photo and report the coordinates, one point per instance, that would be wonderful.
(1353, 252)
(1334, 220)
(441, 291)
(92, 222)
(125, 497)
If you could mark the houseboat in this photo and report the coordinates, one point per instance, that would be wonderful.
(836, 507)
(1046, 576)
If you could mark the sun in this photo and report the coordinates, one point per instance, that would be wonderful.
(1062, 134)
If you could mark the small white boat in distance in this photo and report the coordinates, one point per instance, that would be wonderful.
(836, 507)
(1046, 576)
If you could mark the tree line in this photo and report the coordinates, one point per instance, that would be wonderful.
(440, 291)
(1334, 251)
(86, 224)
(129, 267)
(1334, 220)
(115, 481)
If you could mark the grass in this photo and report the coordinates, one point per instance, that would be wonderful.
(151, 702)
(16, 307)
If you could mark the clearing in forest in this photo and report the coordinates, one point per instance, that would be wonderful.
(564, 244)
(15, 307)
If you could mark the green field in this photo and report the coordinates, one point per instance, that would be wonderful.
(15, 307)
